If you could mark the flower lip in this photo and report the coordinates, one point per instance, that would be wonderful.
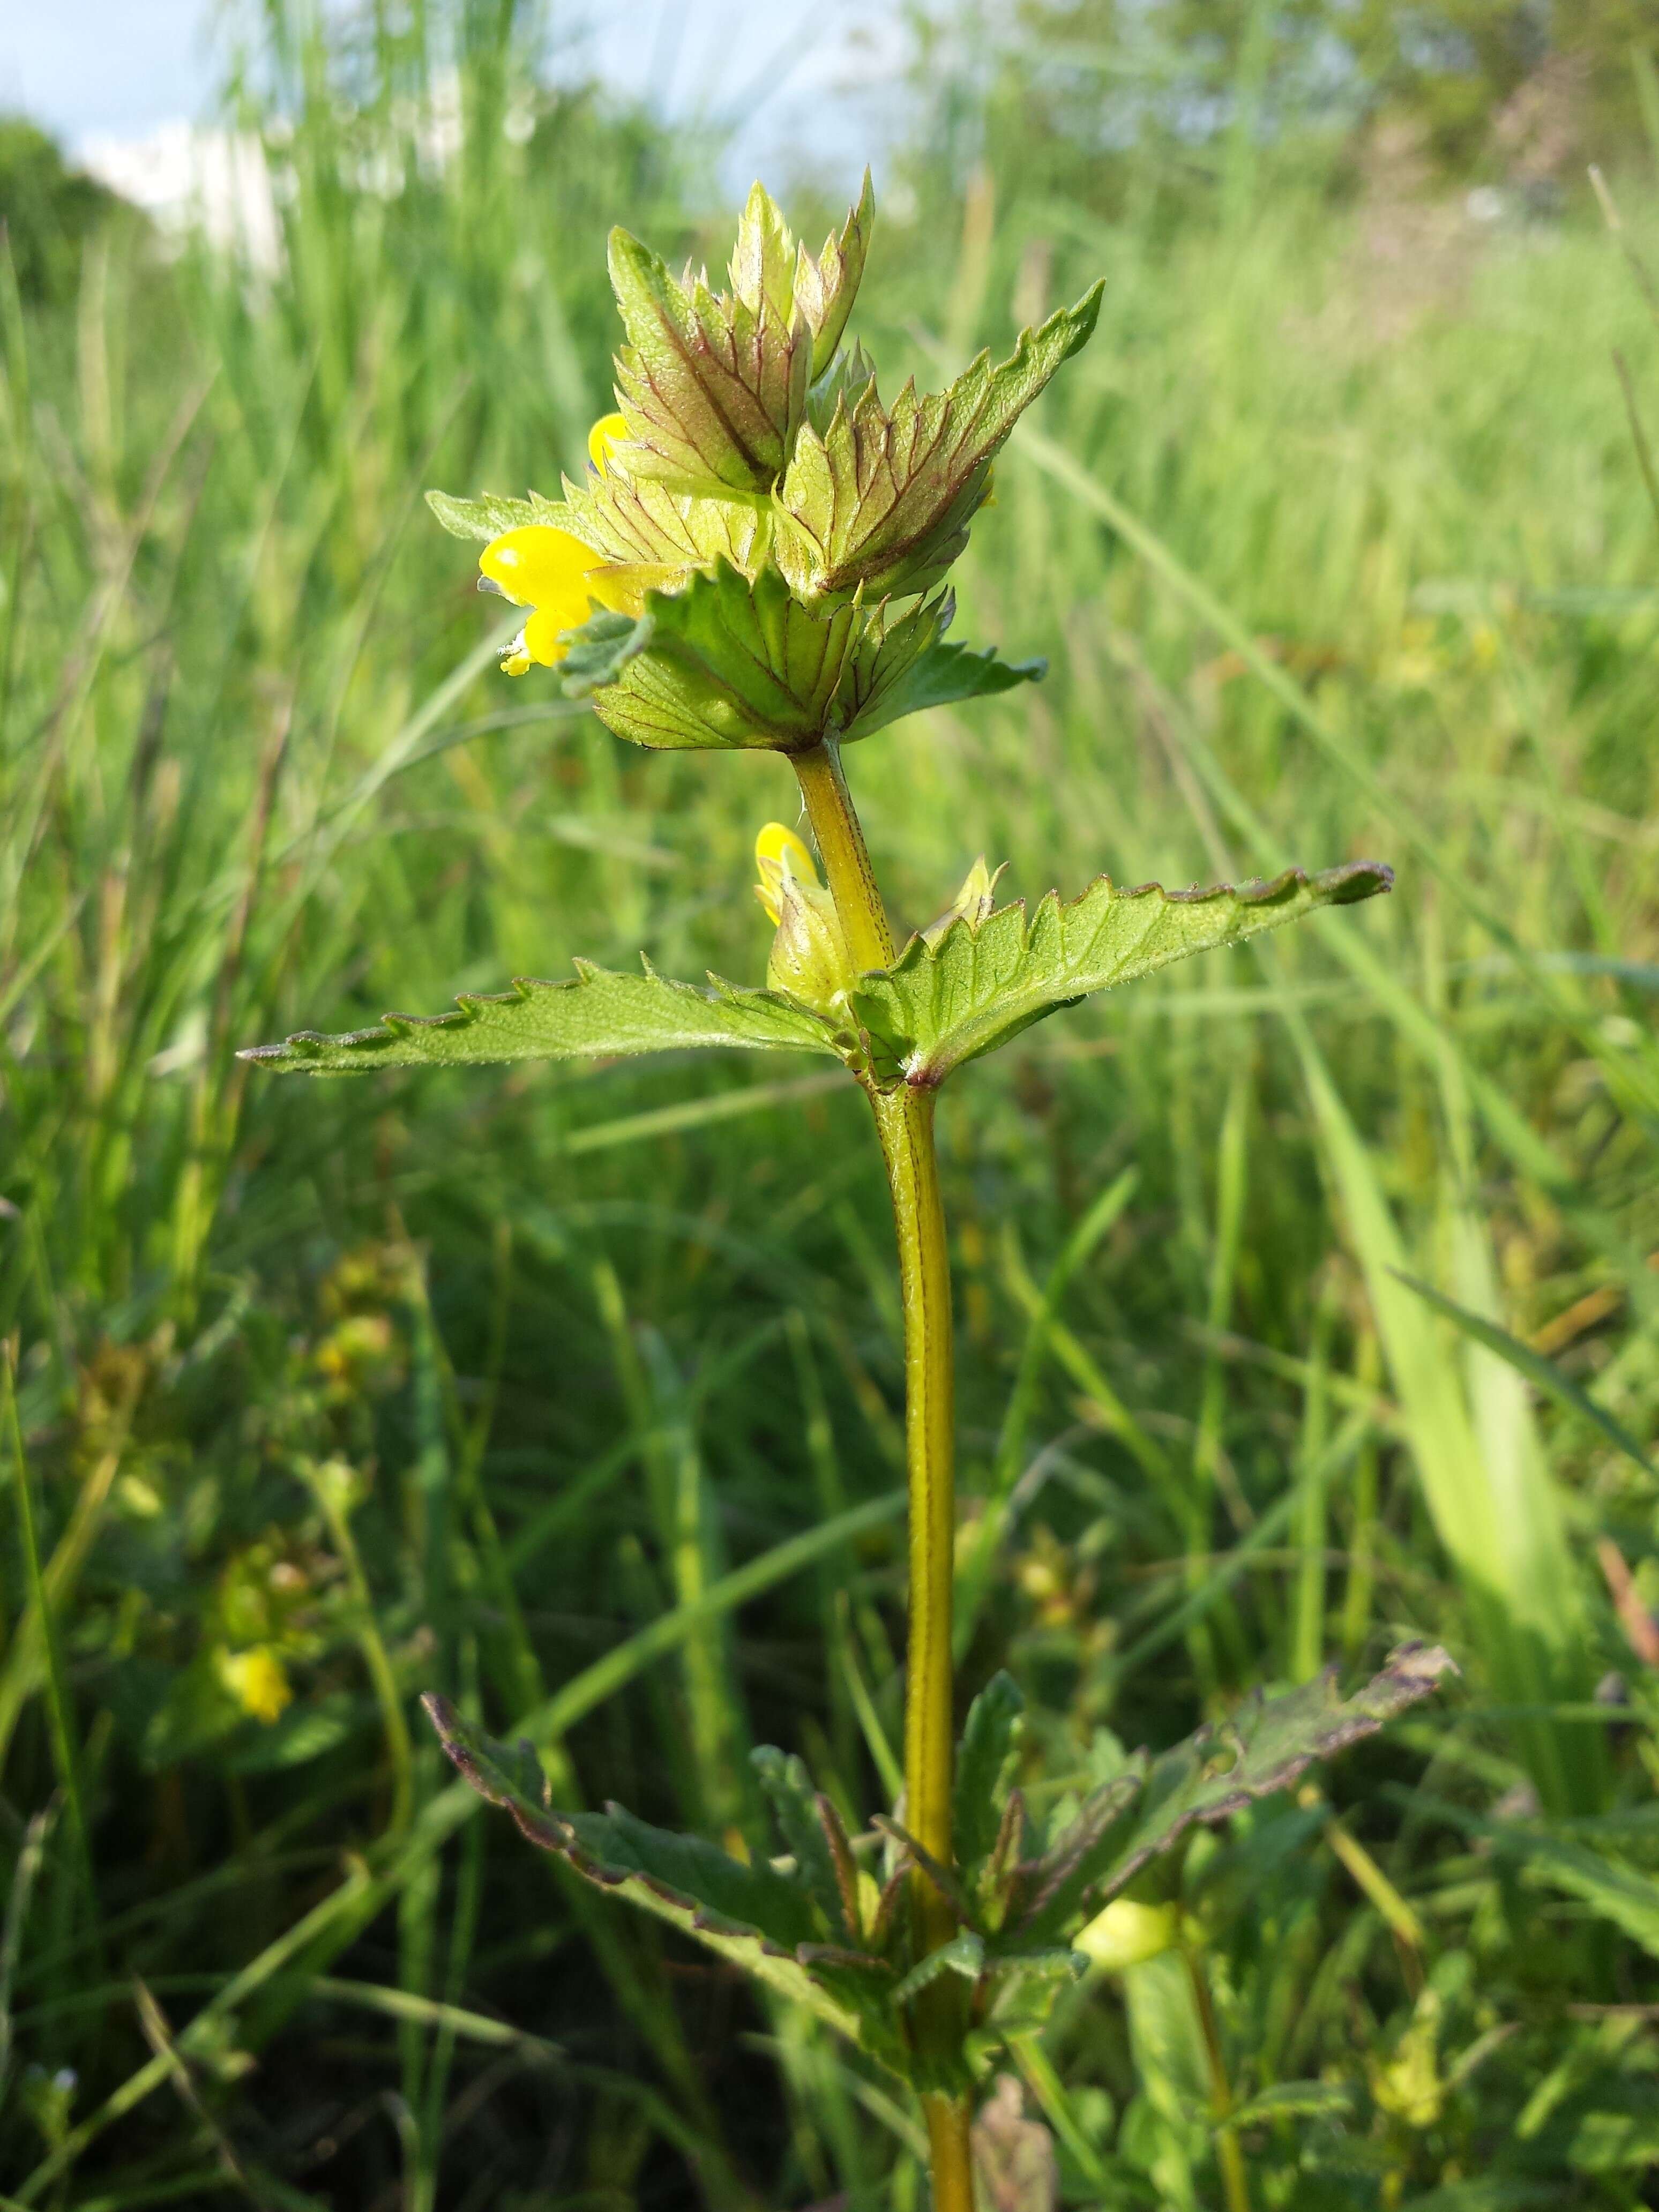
(536, 563)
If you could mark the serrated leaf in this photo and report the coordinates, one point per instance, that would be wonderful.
(488, 516)
(971, 989)
(598, 653)
(749, 1914)
(896, 665)
(939, 676)
(726, 662)
(885, 500)
(763, 265)
(826, 288)
(841, 385)
(645, 522)
(963, 1954)
(1006, 1964)
(714, 388)
(595, 1015)
(794, 1803)
(990, 1738)
(1219, 1769)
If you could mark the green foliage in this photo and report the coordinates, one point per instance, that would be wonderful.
(48, 212)
(729, 654)
(1144, 1811)
(486, 518)
(882, 501)
(731, 661)
(726, 662)
(956, 992)
(714, 387)
(595, 1016)
(898, 667)
(1088, 103)
(978, 983)
(798, 1926)
(771, 1926)
(1408, 483)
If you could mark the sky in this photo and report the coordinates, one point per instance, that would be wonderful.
(97, 70)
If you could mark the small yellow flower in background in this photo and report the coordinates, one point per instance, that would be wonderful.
(1127, 1933)
(809, 956)
(609, 431)
(256, 1680)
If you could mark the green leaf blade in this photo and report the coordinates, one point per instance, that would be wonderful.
(883, 500)
(712, 388)
(727, 662)
(489, 515)
(597, 1015)
(975, 987)
(1224, 1766)
(990, 1738)
(750, 1915)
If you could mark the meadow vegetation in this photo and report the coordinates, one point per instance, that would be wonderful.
(574, 1395)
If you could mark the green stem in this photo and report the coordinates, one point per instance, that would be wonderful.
(845, 856)
(904, 1123)
(1230, 2157)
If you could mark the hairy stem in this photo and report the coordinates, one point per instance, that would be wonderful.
(904, 1123)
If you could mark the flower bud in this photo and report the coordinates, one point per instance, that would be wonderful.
(809, 959)
(1126, 1933)
(972, 904)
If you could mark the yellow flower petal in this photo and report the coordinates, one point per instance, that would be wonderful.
(543, 633)
(610, 430)
(536, 564)
(778, 853)
(256, 1680)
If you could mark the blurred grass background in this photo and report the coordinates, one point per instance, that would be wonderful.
(576, 1394)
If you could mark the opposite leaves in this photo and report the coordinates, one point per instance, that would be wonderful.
(969, 988)
(730, 661)
(713, 385)
(825, 1924)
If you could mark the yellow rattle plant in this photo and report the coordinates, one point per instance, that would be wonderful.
(757, 558)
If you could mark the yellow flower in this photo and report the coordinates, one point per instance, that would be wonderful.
(561, 580)
(256, 1680)
(553, 574)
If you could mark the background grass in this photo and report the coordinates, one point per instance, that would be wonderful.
(576, 1394)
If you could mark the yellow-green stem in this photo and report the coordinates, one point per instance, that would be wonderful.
(845, 856)
(904, 1123)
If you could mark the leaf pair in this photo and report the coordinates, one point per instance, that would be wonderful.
(732, 662)
(953, 994)
(715, 385)
(820, 1928)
